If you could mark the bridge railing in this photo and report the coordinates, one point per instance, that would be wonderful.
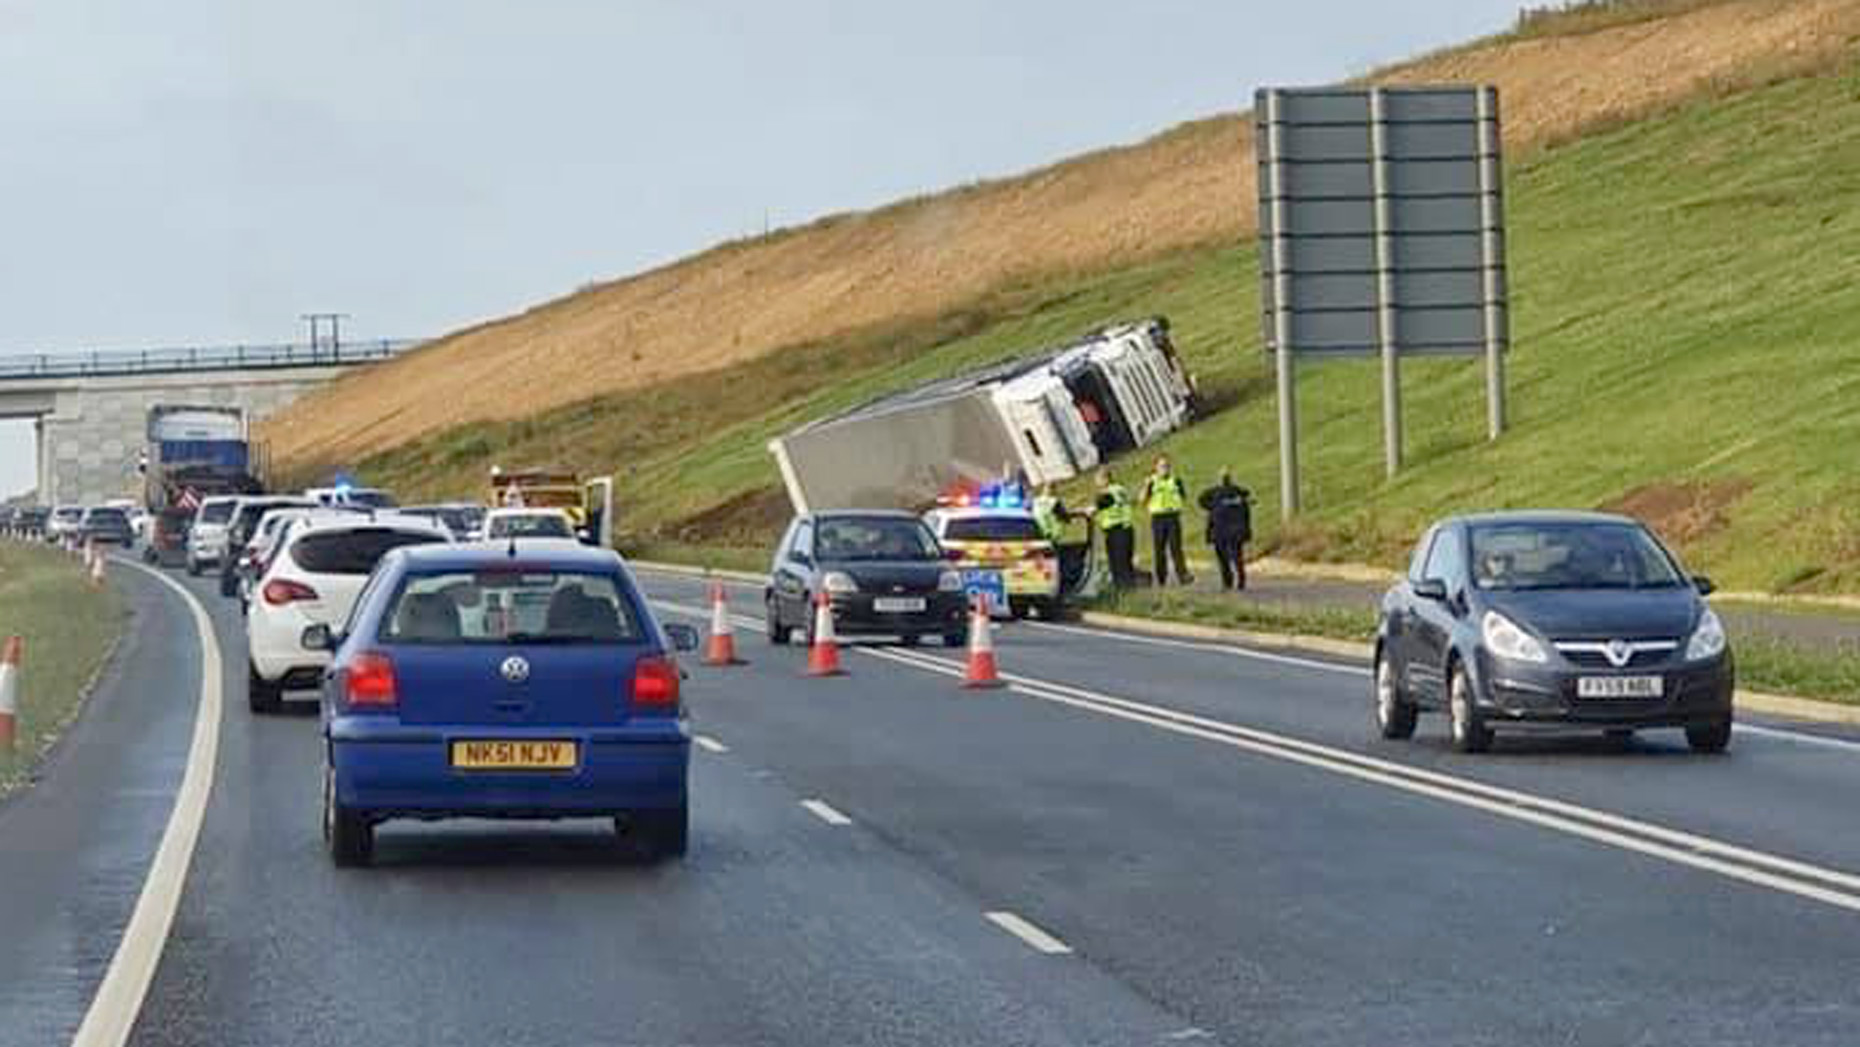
(106, 362)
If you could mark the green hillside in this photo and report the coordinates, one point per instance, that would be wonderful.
(1686, 326)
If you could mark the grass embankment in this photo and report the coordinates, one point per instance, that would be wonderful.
(1683, 329)
(1763, 663)
(68, 629)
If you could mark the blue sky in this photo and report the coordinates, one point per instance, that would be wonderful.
(205, 172)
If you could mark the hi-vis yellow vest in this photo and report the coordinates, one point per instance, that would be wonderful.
(1117, 514)
(1165, 495)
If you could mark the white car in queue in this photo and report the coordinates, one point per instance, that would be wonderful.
(321, 564)
(502, 524)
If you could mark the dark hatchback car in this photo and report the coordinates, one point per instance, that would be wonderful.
(1515, 621)
(103, 524)
(883, 573)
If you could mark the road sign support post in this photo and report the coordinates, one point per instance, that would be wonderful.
(1492, 257)
(1282, 319)
(1385, 286)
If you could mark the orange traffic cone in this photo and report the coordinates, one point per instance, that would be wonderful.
(9, 691)
(823, 658)
(722, 647)
(981, 669)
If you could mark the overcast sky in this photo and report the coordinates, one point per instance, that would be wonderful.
(204, 171)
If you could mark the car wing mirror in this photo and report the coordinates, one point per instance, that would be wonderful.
(683, 637)
(318, 638)
(1704, 585)
(1431, 589)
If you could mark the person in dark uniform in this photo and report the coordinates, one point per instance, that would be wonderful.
(1230, 527)
(1164, 497)
(1114, 520)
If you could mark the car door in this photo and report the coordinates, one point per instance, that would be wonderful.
(793, 576)
(1432, 621)
(1398, 612)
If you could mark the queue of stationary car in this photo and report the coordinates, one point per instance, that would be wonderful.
(522, 677)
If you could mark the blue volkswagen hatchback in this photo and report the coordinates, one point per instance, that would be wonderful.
(503, 680)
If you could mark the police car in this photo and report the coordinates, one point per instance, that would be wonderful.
(998, 546)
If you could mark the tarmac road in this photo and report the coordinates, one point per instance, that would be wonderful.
(1215, 840)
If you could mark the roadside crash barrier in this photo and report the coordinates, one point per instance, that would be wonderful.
(9, 692)
(721, 650)
(981, 671)
(823, 657)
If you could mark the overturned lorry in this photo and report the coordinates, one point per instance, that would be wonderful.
(1046, 417)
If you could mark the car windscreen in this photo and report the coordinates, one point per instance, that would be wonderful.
(68, 513)
(107, 518)
(536, 525)
(216, 512)
(525, 605)
(1569, 556)
(993, 529)
(352, 550)
(873, 538)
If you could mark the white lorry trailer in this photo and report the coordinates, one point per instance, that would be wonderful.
(1047, 417)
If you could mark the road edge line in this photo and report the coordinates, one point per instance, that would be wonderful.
(1762, 702)
(117, 1003)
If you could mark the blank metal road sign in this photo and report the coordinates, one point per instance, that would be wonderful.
(1381, 225)
(1381, 219)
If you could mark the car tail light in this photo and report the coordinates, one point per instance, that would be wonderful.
(655, 683)
(280, 591)
(371, 682)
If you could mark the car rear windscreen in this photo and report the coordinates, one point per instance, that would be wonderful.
(216, 512)
(993, 529)
(515, 606)
(536, 525)
(352, 551)
(107, 518)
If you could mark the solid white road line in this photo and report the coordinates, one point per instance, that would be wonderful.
(113, 1010)
(1199, 645)
(709, 744)
(1818, 883)
(1038, 940)
(1830, 886)
(1802, 737)
(825, 812)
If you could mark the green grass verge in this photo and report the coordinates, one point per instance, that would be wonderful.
(68, 629)
(1781, 667)
(1683, 329)
(1232, 612)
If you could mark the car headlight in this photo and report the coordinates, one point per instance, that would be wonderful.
(839, 582)
(1505, 639)
(1707, 639)
(949, 582)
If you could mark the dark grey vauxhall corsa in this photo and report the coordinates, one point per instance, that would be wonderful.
(1551, 620)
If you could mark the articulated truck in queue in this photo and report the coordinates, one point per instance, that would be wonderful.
(193, 453)
(1046, 417)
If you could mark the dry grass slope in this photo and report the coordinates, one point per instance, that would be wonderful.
(1189, 186)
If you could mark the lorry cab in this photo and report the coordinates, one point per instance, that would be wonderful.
(1129, 384)
(991, 530)
(1053, 439)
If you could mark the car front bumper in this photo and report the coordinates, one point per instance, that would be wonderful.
(389, 771)
(854, 615)
(1691, 693)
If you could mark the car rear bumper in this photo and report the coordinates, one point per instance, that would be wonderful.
(1691, 694)
(407, 772)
